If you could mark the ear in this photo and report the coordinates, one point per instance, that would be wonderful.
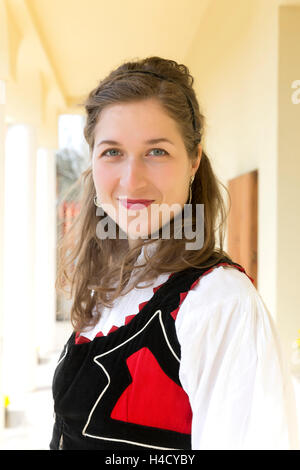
(197, 161)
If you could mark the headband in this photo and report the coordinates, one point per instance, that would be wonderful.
(169, 80)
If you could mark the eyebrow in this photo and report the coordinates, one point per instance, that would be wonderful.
(151, 141)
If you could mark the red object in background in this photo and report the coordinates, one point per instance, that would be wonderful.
(67, 211)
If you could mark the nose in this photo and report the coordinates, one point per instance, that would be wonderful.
(132, 176)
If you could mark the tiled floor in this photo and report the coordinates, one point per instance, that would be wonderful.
(35, 433)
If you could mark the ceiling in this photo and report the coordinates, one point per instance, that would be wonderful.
(86, 39)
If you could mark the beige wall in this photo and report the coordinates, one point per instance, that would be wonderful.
(288, 170)
(237, 67)
(34, 96)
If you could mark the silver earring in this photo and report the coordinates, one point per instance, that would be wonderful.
(96, 202)
(191, 182)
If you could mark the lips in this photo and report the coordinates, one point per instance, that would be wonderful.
(136, 204)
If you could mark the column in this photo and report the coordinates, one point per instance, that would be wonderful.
(2, 169)
(19, 346)
(45, 251)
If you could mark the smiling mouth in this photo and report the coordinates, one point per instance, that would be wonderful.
(136, 204)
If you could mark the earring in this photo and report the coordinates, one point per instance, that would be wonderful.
(96, 202)
(191, 182)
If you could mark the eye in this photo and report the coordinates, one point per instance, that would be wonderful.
(159, 150)
(110, 150)
(106, 152)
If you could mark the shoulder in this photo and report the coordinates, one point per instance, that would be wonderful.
(222, 284)
(223, 296)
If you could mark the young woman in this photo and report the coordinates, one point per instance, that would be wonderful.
(172, 346)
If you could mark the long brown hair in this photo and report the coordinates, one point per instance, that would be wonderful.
(96, 271)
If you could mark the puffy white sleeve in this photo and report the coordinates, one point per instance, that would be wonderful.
(233, 368)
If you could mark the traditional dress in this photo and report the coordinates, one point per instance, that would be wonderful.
(192, 362)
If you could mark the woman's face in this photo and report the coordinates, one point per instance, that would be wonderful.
(147, 161)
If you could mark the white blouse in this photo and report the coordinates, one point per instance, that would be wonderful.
(232, 364)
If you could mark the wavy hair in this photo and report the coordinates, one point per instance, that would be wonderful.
(94, 271)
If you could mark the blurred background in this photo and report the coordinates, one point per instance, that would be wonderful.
(245, 58)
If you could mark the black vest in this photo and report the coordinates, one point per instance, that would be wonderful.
(122, 391)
